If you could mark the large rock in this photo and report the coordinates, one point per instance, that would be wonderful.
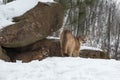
(33, 26)
(36, 51)
(4, 56)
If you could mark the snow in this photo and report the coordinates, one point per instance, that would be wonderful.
(90, 48)
(117, 1)
(56, 68)
(16, 8)
(52, 37)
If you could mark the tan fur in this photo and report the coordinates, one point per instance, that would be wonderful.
(70, 44)
(34, 55)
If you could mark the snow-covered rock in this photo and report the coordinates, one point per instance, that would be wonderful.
(32, 26)
(16, 8)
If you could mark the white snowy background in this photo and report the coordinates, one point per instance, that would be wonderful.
(53, 68)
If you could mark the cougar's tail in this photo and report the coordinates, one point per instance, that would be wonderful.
(63, 39)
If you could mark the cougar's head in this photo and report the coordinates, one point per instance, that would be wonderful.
(83, 39)
(45, 51)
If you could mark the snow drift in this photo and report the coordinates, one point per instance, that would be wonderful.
(56, 68)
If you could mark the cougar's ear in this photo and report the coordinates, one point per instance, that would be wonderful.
(79, 39)
(85, 37)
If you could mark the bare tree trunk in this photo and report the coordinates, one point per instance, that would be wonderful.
(109, 31)
(117, 43)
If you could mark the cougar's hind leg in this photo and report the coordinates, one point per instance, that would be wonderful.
(62, 53)
(71, 52)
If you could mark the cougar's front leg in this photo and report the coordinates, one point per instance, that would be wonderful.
(71, 52)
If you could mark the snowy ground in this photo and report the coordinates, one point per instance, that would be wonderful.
(57, 68)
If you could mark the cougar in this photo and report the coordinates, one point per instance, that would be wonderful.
(70, 45)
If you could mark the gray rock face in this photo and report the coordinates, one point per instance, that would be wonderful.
(94, 54)
(33, 26)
